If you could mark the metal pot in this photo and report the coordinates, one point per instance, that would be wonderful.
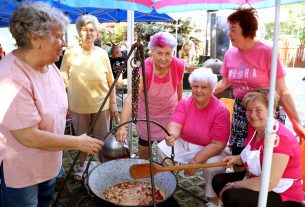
(113, 149)
(114, 172)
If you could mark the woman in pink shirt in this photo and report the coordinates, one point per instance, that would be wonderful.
(241, 189)
(246, 67)
(164, 75)
(199, 128)
(33, 110)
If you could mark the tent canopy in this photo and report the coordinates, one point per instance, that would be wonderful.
(103, 14)
(167, 6)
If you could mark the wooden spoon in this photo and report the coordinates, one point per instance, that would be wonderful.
(143, 170)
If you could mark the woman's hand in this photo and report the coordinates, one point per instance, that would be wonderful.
(170, 140)
(121, 134)
(190, 172)
(89, 144)
(299, 129)
(113, 110)
(233, 160)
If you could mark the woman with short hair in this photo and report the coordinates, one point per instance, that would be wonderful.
(164, 76)
(33, 108)
(88, 76)
(199, 130)
(247, 67)
(241, 189)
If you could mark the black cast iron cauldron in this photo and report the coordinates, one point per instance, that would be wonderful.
(114, 172)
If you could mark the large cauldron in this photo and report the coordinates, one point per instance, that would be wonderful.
(114, 172)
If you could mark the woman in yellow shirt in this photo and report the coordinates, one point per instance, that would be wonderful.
(87, 74)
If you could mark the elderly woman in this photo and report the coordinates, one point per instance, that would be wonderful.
(164, 75)
(242, 188)
(199, 128)
(88, 76)
(33, 108)
(246, 66)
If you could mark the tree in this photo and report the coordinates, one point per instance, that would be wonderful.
(294, 27)
(113, 33)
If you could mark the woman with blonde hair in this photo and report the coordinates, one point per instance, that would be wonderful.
(241, 189)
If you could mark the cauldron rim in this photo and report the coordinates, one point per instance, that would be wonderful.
(157, 176)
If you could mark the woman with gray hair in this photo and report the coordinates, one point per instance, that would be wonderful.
(88, 76)
(164, 75)
(33, 108)
(200, 129)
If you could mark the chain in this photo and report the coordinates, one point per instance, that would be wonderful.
(135, 89)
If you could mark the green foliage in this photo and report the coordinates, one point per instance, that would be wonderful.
(113, 33)
(147, 29)
(294, 26)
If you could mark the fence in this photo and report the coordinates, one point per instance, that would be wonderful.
(292, 52)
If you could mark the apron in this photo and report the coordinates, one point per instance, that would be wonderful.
(162, 102)
(252, 159)
(184, 151)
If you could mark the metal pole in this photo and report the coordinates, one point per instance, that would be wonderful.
(130, 40)
(269, 132)
(175, 51)
(206, 34)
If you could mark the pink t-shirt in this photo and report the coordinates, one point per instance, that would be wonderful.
(162, 100)
(176, 68)
(249, 70)
(29, 98)
(288, 145)
(201, 126)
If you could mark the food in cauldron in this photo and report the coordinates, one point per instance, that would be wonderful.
(132, 193)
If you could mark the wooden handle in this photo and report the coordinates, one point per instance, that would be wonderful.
(195, 166)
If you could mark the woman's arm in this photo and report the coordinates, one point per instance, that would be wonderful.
(33, 137)
(112, 97)
(180, 90)
(174, 130)
(233, 160)
(64, 69)
(126, 112)
(222, 85)
(121, 132)
(287, 102)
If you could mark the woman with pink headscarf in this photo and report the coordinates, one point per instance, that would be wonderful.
(164, 76)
